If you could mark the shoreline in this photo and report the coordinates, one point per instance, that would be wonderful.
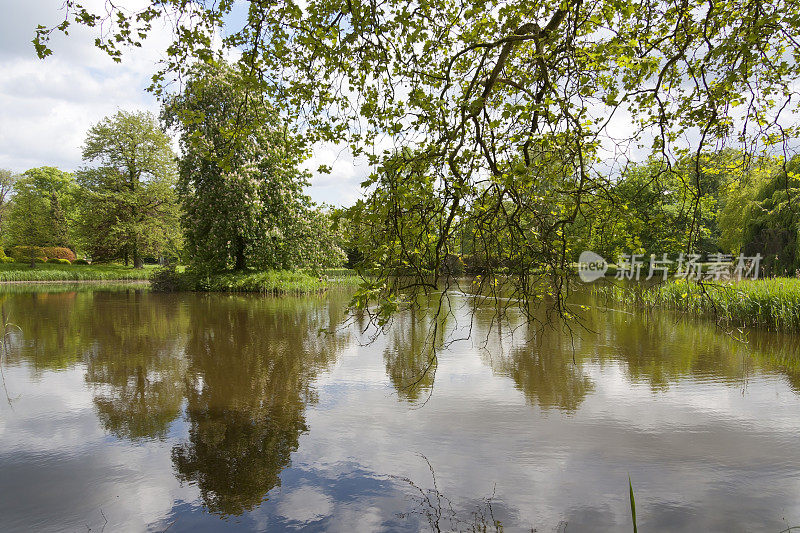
(77, 281)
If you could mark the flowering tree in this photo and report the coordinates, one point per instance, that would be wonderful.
(239, 178)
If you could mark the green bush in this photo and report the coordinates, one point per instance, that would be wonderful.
(168, 279)
(80, 262)
(5, 259)
(23, 253)
(40, 260)
(57, 261)
(58, 252)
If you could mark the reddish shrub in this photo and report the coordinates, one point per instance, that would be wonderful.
(58, 252)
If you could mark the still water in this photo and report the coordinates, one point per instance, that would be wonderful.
(125, 410)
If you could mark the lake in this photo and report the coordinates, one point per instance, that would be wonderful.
(126, 410)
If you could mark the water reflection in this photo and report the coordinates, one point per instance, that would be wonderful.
(131, 363)
(410, 362)
(188, 408)
(547, 361)
(251, 363)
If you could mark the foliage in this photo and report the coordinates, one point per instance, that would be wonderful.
(48, 252)
(44, 209)
(401, 224)
(511, 105)
(275, 282)
(773, 225)
(129, 207)
(58, 252)
(58, 261)
(739, 203)
(169, 279)
(8, 180)
(24, 252)
(239, 184)
(766, 303)
(28, 221)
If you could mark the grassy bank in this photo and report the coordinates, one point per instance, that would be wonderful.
(20, 272)
(275, 282)
(766, 303)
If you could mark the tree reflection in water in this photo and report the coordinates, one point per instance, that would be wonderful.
(241, 372)
(133, 364)
(251, 363)
(410, 362)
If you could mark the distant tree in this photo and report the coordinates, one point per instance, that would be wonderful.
(738, 204)
(58, 188)
(45, 198)
(129, 207)
(773, 224)
(240, 183)
(28, 222)
(7, 181)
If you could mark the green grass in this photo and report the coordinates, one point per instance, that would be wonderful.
(765, 303)
(277, 282)
(768, 303)
(21, 272)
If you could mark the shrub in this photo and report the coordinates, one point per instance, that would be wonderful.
(24, 253)
(59, 252)
(168, 279)
(80, 262)
(57, 261)
(5, 259)
(40, 260)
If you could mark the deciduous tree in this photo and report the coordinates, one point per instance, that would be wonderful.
(128, 201)
(513, 104)
(240, 183)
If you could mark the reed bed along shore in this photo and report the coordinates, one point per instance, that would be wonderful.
(772, 303)
(44, 272)
(277, 282)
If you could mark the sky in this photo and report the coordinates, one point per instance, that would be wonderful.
(47, 106)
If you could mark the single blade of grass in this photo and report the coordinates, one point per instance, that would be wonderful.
(633, 505)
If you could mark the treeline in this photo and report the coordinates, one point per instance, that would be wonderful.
(120, 206)
(720, 203)
(727, 202)
(233, 200)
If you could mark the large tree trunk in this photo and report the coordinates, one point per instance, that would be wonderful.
(240, 260)
(137, 258)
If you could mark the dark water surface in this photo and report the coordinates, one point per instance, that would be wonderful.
(134, 411)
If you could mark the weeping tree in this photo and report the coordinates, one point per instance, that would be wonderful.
(521, 110)
(773, 228)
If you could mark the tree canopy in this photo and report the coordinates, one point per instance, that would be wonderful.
(43, 209)
(521, 112)
(128, 198)
(239, 179)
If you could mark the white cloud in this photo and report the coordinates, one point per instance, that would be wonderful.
(342, 186)
(46, 106)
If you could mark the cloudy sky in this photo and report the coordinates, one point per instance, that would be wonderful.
(47, 106)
